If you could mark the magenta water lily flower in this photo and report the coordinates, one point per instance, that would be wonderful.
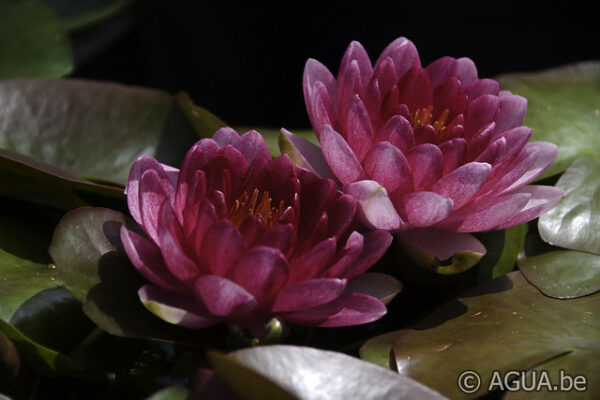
(432, 153)
(235, 236)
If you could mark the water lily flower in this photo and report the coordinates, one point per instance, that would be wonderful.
(431, 153)
(237, 237)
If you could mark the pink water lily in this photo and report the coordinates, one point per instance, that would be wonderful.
(237, 237)
(431, 153)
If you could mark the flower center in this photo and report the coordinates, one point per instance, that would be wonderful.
(246, 206)
(423, 117)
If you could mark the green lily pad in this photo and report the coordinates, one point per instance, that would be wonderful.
(77, 15)
(92, 129)
(503, 249)
(9, 361)
(575, 222)
(90, 260)
(32, 41)
(562, 108)
(24, 263)
(27, 179)
(172, 393)
(292, 372)
(505, 324)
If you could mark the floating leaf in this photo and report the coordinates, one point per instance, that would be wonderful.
(32, 41)
(506, 313)
(92, 264)
(562, 108)
(503, 249)
(91, 129)
(81, 14)
(575, 222)
(291, 372)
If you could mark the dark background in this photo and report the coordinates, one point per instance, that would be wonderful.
(244, 60)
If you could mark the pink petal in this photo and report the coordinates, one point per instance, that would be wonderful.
(486, 214)
(463, 183)
(441, 70)
(376, 208)
(138, 168)
(225, 299)
(482, 87)
(349, 86)
(340, 214)
(251, 144)
(441, 244)
(180, 310)
(399, 132)
(172, 246)
(154, 190)
(312, 263)
(453, 154)
(385, 75)
(426, 164)
(194, 161)
(481, 112)
(224, 170)
(304, 154)
(404, 54)
(546, 155)
(421, 209)
(347, 256)
(374, 245)
(221, 246)
(512, 112)
(387, 165)
(308, 294)
(348, 309)
(315, 72)
(199, 218)
(466, 71)
(314, 198)
(359, 132)
(356, 52)
(322, 111)
(280, 237)
(340, 157)
(262, 271)
(147, 259)
(415, 89)
(543, 198)
(444, 94)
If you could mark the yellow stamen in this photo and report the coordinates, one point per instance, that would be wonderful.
(246, 206)
(423, 116)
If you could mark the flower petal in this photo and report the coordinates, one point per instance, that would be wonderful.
(251, 144)
(262, 271)
(304, 153)
(225, 299)
(348, 309)
(482, 87)
(172, 244)
(415, 89)
(466, 70)
(404, 54)
(453, 154)
(315, 72)
(480, 113)
(356, 52)
(359, 132)
(426, 164)
(340, 157)
(147, 259)
(376, 208)
(154, 190)
(180, 310)
(421, 209)
(221, 246)
(375, 244)
(542, 199)
(308, 294)
(441, 70)
(512, 111)
(463, 183)
(441, 244)
(386, 164)
(545, 156)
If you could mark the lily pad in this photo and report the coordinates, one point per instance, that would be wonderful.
(506, 313)
(92, 129)
(77, 15)
(562, 109)
(292, 372)
(503, 249)
(90, 260)
(575, 222)
(32, 41)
